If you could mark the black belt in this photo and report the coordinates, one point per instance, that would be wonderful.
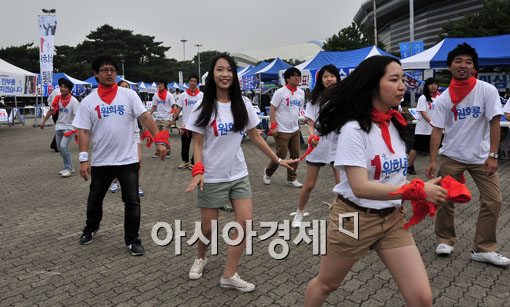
(382, 212)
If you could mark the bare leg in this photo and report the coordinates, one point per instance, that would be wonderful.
(312, 172)
(207, 216)
(332, 272)
(406, 266)
(412, 157)
(242, 212)
(336, 172)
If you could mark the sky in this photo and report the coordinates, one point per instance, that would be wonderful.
(223, 25)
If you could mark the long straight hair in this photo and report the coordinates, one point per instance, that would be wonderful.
(319, 86)
(426, 90)
(209, 103)
(351, 98)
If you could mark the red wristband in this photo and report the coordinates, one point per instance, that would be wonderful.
(415, 190)
(197, 169)
(147, 135)
(313, 137)
(273, 125)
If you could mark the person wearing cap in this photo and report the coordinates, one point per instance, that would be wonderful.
(66, 106)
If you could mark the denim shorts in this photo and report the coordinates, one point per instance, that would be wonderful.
(217, 195)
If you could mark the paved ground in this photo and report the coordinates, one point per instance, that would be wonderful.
(42, 263)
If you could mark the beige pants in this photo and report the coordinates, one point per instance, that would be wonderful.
(286, 142)
(490, 205)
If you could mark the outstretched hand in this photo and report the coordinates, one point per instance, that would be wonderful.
(435, 193)
(198, 180)
(286, 163)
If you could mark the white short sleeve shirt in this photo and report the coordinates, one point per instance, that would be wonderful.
(287, 105)
(423, 127)
(186, 102)
(163, 108)
(67, 114)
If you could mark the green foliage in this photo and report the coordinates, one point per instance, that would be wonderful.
(492, 19)
(349, 38)
(25, 56)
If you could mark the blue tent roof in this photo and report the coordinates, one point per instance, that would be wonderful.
(92, 80)
(272, 69)
(492, 51)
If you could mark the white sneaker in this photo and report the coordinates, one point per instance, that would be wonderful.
(114, 188)
(298, 218)
(197, 268)
(235, 282)
(60, 173)
(266, 178)
(444, 249)
(66, 173)
(295, 183)
(490, 257)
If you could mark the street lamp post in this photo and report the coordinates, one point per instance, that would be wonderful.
(198, 56)
(122, 63)
(375, 24)
(184, 49)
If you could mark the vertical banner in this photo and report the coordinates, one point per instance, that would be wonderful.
(47, 29)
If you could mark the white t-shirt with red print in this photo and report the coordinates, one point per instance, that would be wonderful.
(287, 105)
(67, 114)
(467, 139)
(163, 108)
(223, 157)
(368, 150)
(423, 127)
(186, 102)
(112, 132)
(322, 152)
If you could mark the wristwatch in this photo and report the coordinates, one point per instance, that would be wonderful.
(493, 155)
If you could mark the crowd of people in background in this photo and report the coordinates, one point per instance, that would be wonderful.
(354, 125)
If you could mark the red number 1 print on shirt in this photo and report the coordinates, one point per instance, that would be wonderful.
(98, 111)
(376, 162)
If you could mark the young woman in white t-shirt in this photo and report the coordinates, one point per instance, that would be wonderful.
(425, 107)
(218, 123)
(373, 158)
(323, 152)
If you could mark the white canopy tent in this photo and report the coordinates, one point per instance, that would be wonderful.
(15, 81)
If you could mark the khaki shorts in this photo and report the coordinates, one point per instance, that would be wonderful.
(217, 195)
(375, 232)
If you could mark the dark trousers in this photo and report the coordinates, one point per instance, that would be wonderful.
(101, 178)
(186, 141)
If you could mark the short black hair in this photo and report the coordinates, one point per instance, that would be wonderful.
(103, 60)
(165, 83)
(194, 76)
(463, 49)
(65, 82)
(291, 72)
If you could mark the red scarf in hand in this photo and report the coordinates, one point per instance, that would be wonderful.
(382, 119)
(162, 94)
(459, 90)
(292, 89)
(192, 93)
(65, 101)
(107, 93)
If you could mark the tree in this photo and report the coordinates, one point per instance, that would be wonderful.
(25, 56)
(349, 38)
(491, 19)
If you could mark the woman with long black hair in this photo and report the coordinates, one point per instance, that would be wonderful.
(218, 123)
(324, 150)
(373, 161)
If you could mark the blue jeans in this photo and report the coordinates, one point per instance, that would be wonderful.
(102, 177)
(63, 147)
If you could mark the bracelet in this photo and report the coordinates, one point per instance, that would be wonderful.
(83, 156)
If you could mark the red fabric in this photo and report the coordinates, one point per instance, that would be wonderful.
(197, 169)
(292, 89)
(414, 190)
(70, 133)
(192, 93)
(310, 147)
(64, 100)
(215, 127)
(162, 94)
(420, 210)
(162, 137)
(107, 93)
(457, 192)
(459, 90)
(382, 119)
(147, 135)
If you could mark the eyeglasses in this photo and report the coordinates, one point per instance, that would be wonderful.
(108, 69)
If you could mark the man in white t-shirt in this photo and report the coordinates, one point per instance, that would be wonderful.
(185, 103)
(105, 119)
(66, 106)
(284, 124)
(469, 114)
(162, 103)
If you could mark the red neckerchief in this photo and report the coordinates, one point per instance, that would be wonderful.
(107, 93)
(192, 93)
(383, 119)
(65, 101)
(292, 89)
(459, 90)
(162, 94)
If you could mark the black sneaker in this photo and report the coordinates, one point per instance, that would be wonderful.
(410, 170)
(86, 237)
(136, 249)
